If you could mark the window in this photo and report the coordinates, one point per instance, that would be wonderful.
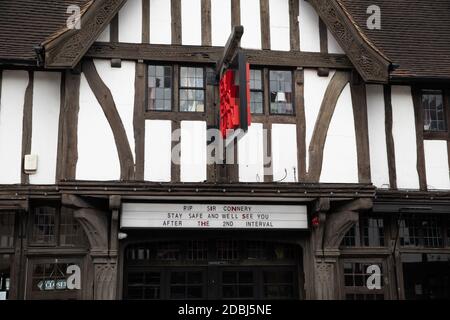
(159, 88)
(355, 281)
(238, 284)
(7, 230)
(281, 98)
(434, 117)
(56, 226)
(144, 285)
(192, 89)
(256, 92)
(187, 285)
(421, 230)
(367, 232)
(5, 275)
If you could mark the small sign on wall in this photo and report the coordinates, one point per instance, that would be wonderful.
(213, 216)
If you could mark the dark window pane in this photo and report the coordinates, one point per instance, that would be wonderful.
(421, 230)
(281, 97)
(159, 88)
(256, 92)
(44, 225)
(7, 230)
(71, 232)
(433, 110)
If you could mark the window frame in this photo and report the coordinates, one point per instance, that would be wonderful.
(418, 92)
(172, 89)
(294, 107)
(257, 68)
(180, 87)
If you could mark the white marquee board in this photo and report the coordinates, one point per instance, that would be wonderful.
(213, 216)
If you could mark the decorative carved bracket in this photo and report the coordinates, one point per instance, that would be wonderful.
(368, 60)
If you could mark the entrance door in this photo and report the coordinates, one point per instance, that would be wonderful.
(198, 269)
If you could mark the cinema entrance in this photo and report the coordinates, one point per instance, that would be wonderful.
(176, 263)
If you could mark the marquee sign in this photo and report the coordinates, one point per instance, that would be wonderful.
(213, 216)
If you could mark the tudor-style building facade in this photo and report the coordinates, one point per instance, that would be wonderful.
(344, 169)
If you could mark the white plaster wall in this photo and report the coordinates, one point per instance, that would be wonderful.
(340, 160)
(120, 82)
(97, 152)
(436, 164)
(251, 20)
(377, 136)
(314, 93)
(193, 151)
(13, 87)
(105, 35)
(130, 22)
(158, 148)
(191, 22)
(220, 21)
(309, 28)
(279, 25)
(44, 136)
(404, 133)
(284, 152)
(160, 22)
(333, 45)
(251, 155)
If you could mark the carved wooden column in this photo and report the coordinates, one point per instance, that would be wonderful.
(101, 231)
(330, 227)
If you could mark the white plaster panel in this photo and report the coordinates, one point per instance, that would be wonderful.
(284, 152)
(158, 150)
(279, 25)
(193, 151)
(130, 22)
(220, 22)
(404, 133)
(377, 136)
(333, 45)
(105, 35)
(251, 20)
(309, 28)
(45, 125)
(191, 22)
(436, 164)
(251, 155)
(340, 160)
(120, 81)
(160, 22)
(314, 92)
(97, 152)
(13, 87)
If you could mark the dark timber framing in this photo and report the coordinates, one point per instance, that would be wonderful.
(389, 137)
(265, 24)
(145, 21)
(299, 88)
(418, 116)
(206, 22)
(106, 101)
(27, 126)
(205, 54)
(358, 91)
(68, 134)
(235, 13)
(317, 145)
(114, 29)
(176, 21)
(294, 8)
(139, 119)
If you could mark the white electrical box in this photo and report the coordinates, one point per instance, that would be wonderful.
(30, 164)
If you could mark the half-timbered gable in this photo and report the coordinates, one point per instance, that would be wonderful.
(110, 126)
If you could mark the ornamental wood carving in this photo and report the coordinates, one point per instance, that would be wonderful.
(371, 64)
(66, 50)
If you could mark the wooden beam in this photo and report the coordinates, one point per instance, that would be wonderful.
(294, 12)
(145, 21)
(235, 13)
(265, 24)
(139, 119)
(389, 137)
(69, 129)
(176, 124)
(27, 126)
(231, 49)
(206, 22)
(176, 21)
(267, 130)
(59, 152)
(211, 55)
(317, 145)
(418, 116)
(106, 101)
(323, 34)
(114, 29)
(299, 88)
(358, 91)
